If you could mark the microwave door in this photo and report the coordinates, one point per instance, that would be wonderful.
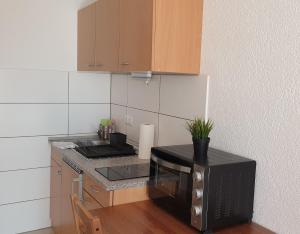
(171, 185)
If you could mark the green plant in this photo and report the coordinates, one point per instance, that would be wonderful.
(199, 128)
(105, 122)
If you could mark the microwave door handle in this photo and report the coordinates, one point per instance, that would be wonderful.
(156, 174)
(171, 165)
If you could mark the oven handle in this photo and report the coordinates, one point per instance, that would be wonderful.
(170, 165)
(79, 180)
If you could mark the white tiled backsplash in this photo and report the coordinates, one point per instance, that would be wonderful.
(183, 96)
(172, 131)
(167, 102)
(119, 89)
(24, 152)
(139, 117)
(33, 86)
(89, 87)
(85, 118)
(24, 185)
(36, 104)
(142, 96)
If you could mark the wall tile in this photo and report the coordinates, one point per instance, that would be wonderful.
(119, 89)
(32, 86)
(89, 87)
(118, 114)
(140, 117)
(85, 118)
(25, 152)
(25, 216)
(172, 131)
(143, 96)
(183, 96)
(24, 185)
(33, 119)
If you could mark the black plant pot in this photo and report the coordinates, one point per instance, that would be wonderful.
(200, 149)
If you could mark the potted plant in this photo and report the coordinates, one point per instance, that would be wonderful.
(200, 130)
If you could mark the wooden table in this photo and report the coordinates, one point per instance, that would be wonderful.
(147, 218)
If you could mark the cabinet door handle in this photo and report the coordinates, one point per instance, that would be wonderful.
(99, 65)
(91, 65)
(59, 172)
(124, 64)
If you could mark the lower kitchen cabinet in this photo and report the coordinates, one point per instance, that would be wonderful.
(65, 181)
(55, 196)
(69, 186)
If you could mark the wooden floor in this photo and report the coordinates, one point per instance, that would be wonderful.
(42, 231)
(245, 229)
(241, 229)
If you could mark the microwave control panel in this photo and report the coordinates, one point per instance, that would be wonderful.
(197, 197)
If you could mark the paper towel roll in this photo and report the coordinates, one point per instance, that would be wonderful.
(146, 140)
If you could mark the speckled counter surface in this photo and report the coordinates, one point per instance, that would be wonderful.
(88, 165)
(72, 138)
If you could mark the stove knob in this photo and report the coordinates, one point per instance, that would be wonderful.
(197, 210)
(197, 176)
(198, 193)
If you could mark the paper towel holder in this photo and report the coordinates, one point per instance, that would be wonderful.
(144, 75)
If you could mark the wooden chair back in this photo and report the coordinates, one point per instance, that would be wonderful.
(84, 220)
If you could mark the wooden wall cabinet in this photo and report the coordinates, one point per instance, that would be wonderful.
(107, 35)
(98, 36)
(86, 38)
(162, 36)
(136, 29)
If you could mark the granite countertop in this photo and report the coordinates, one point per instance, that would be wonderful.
(88, 165)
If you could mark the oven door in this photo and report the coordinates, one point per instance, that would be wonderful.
(171, 187)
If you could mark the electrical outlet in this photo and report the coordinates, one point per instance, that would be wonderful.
(129, 120)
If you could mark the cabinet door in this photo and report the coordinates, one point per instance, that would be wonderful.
(96, 190)
(107, 35)
(89, 202)
(178, 36)
(55, 197)
(136, 18)
(86, 38)
(68, 187)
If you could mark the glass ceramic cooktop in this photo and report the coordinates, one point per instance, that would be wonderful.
(125, 172)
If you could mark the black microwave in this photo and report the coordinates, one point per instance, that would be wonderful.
(208, 196)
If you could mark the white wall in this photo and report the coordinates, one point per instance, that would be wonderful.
(251, 49)
(39, 34)
(41, 95)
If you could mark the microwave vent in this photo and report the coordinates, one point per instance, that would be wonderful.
(229, 189)
(224, 201)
